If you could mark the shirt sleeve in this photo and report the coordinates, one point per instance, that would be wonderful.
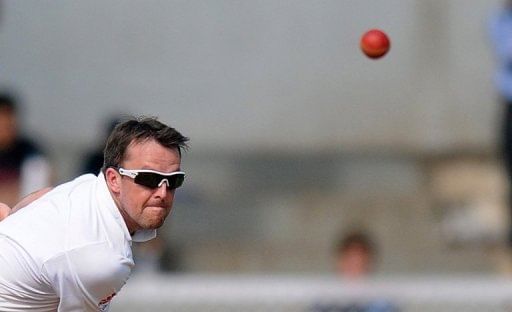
(87, 278)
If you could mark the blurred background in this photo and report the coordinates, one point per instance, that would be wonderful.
(296, 136)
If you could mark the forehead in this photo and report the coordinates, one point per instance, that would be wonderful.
(150, 153)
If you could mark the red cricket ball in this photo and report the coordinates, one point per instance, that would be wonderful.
(375, 43)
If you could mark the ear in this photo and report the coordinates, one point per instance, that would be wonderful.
(113, 180)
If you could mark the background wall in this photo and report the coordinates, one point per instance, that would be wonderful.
(270, 74)
(295, 134)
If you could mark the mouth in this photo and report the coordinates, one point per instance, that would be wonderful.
(157, 207)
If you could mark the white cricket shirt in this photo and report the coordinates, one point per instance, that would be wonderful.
(70, 250)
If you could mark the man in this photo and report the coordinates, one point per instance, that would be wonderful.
(23, 166)
(70, 249)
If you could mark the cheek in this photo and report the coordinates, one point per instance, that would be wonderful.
(133, 199)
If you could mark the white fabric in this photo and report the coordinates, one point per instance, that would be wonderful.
(68, 251)
(35, 174)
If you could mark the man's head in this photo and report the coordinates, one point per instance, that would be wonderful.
(8, 124)
(149, 145)
(355, 255)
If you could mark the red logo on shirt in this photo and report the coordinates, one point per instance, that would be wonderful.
(104, 303)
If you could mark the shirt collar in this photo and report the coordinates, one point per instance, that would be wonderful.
(107, 200)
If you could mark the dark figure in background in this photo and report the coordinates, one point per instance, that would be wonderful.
(500, 32)
(23, 166)
(93, 160)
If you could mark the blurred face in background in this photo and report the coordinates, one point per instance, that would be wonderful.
(7, 127)
(355, 261)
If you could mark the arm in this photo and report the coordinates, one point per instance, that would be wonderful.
(6, 210)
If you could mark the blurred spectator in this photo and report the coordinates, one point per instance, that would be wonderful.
(355, 259)
(93, 160)
(500, 31)
(23, 166)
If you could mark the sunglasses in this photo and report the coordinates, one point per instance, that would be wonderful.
(154, 179)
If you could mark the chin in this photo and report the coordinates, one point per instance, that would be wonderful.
(153, 224)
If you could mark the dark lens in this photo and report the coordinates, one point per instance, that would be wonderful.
(151, 180)
(148, 179)
(176, 181)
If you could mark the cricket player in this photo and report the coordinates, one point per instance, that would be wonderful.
(70, 249)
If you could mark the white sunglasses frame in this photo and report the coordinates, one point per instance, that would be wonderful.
(132, 173)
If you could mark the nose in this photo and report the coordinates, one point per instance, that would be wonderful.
(161, 190)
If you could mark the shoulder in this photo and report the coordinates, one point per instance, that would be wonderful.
(95, 269)
(74, 188)
(98, 264)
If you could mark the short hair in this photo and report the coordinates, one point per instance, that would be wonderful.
(355, 239)
(139, 129)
